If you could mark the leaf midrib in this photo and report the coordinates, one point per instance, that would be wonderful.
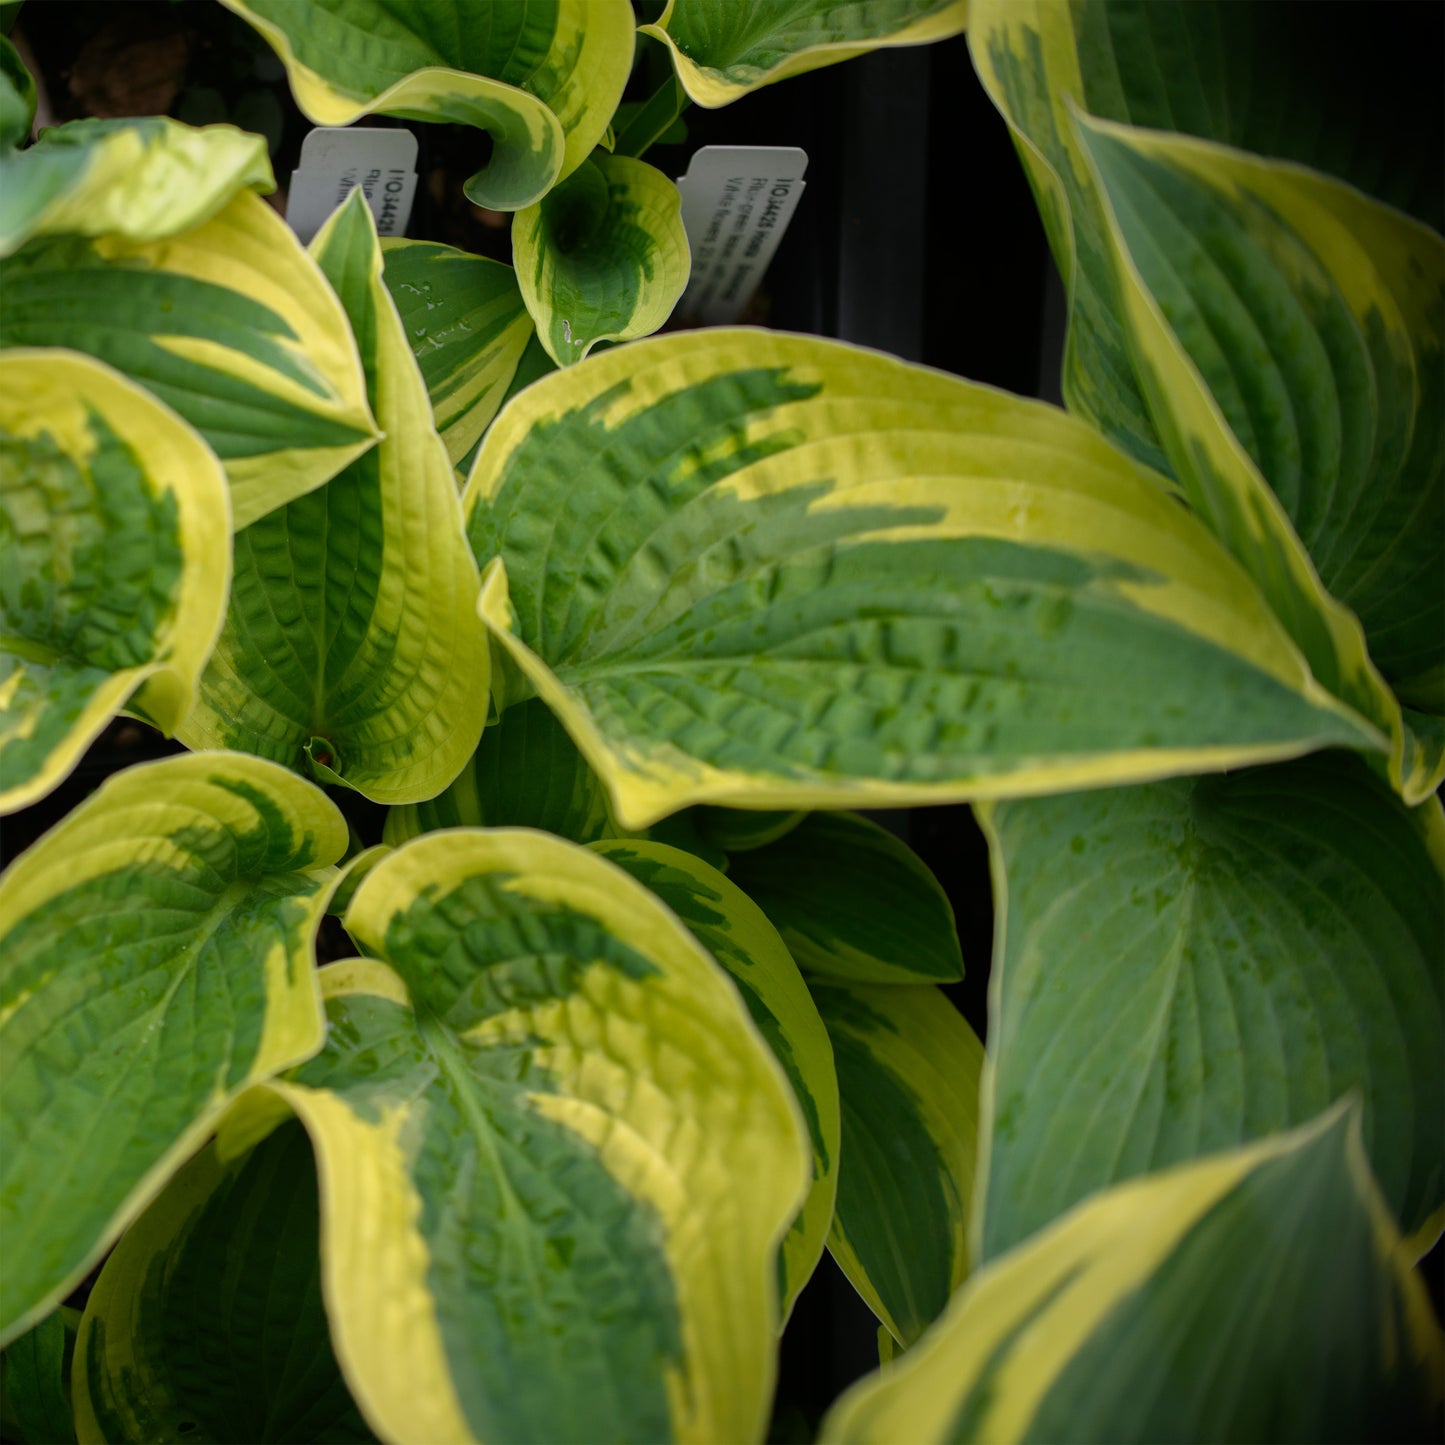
(451, 1060)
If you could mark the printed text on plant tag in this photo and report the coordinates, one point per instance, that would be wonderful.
(736, 204)
(336, 160)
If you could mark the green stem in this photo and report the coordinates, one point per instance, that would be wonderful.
(658, 112)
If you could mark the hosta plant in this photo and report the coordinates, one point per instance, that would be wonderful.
(637, 1011)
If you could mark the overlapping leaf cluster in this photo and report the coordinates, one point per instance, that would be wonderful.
(642, 1016)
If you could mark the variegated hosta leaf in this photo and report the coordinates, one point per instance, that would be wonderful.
(138, 180)
(1200, 67)
(35, 1371)
(542, 76)
(908, 1072)
(114, 561)
(745, 567)
(1261, 1294)
(531, 1123)
(206, 1324)
(467, 326)
(155, 959)
(231, 324)
(1026, 54)
(733, 929)
(853, 902)
(525, 773)
(602, 257)
(351, 645)
(17, 100)
(1204, 67)
(1287, 333)
(1188, 965)
(724, 48)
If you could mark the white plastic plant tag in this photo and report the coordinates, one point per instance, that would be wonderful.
(335, 160)
(736, 204)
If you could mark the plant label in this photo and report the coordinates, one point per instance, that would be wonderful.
(736, 204)
(335, 160)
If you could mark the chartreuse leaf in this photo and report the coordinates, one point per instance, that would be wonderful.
(206, 1324)
(231, 324)
(530, 1122)
(1260, 1294)
(1189, 965)
(351, 646)
(1288, 336)
(467, 326)
(525, 773)
(17, 98)
(853, 902)
(156, 951)
(542, 76)
(602, 257)
(908, 1071)
(1205, 67)
(745, 567)
(35, 1382)
(114, 561)
(137, 180)
(734, 930)
(724, 48)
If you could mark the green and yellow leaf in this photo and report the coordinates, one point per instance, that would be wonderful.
(908, 1073)
(725, 48)
(751, 568)
(114, 561)
(231, 325)
(1261, 1294)
(530, 1120)
(207, 1323)
(351, 647)
(853, 902)
(155, 960)
(1200, 67)
(1287, 334)
(734, 930)
(1207, 68)
(541, 76)
(1190, 965)
(1026, 54)
(602, 257)
(467, 326)
(136, 180)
